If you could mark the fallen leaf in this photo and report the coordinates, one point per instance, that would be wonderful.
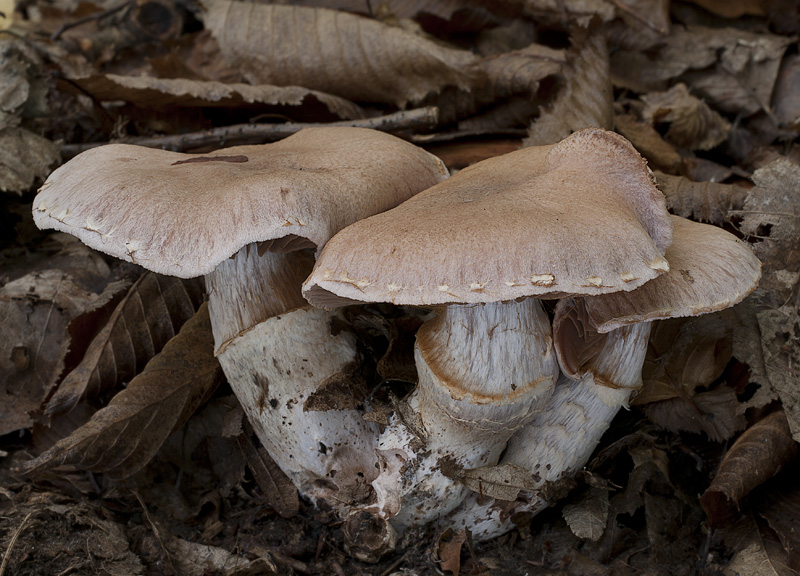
(743, 66)
(640, 24)
(449, 551)
(778, 503)
(25, 158)
(521, 71)
(503, 482)
(692, 124)
(122, 437)
(150, 314)
(579, 12)
(646, 139)
(786, 96)
(702, 201)
(14, 85)
(587, 518)
(151, 92)
(586, 98)
(757, 455)
(34, 313)
(771, 216)
(684, 358)
(335, 52)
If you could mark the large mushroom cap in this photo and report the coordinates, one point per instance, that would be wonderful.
(710, 270)
(581, 217)
(183, 214)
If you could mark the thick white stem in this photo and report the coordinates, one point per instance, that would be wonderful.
(275, 356)
(484, 371)
(558, 442)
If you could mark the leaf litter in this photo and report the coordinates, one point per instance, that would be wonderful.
(712, 104)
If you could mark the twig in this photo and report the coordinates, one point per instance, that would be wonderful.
(11, 544)
(241, 133)
(96, 16)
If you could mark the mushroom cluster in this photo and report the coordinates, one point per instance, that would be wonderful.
(580, 222)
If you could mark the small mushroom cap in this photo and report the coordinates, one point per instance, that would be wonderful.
(710, 270)
(579, 217)
(182, 214)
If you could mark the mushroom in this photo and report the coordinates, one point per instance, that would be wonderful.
(601, 342)
(246, 218)
(581, 217)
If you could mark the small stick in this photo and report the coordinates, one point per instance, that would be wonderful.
(96, 16)
(240, 133)
(11, 544)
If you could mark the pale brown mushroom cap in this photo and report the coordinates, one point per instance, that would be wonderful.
(182, 214)
(710, 270)
(581, 217)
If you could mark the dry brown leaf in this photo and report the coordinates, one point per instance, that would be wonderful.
(641, 24)
(520, 71)
(733, 69)
(503, 482)
(758, 454)
(14, 85)
(685, 357)
(163, 92)
(587, 518)
(403, 9)
(771, 216)
(702, 201)
(646, 139)
(34, 313)
(778, 503)
(758, 551)
(122, 437)
(692, 124)
(586, 98)
(151, 313)
(449, 551)
(25, 158)
(786, 96)
(562, 12)
(335, 52)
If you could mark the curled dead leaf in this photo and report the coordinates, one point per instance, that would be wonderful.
(759, 453)
(684, 358)
(503, 482)
(335, 52)
(122, 437)
(147, 92)
(692, 124)
(704, 201)
(150, 314)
